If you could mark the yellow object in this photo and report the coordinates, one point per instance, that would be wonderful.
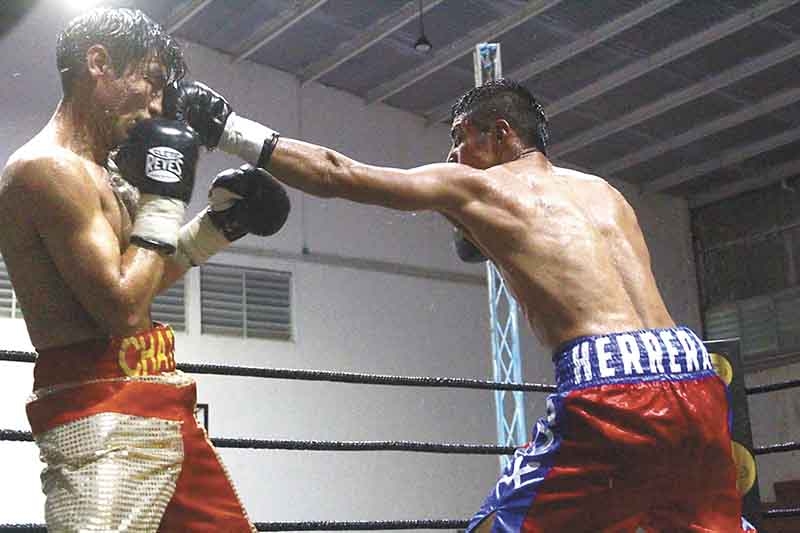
(722, 367)
(745, 468)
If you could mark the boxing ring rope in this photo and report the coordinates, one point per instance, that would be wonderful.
(374, 446)
(372, 379)
(327, 375)
(405, 446)
(772, 387)
(326, 446)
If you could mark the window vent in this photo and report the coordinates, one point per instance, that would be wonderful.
(169, 307)
(722, 322)
(9, 308)
(764, 324)
(245, 302)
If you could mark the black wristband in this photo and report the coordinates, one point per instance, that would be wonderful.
(161, 248)
(266, 150)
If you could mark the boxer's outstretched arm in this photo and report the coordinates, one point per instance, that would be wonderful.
(318, 170)
(115, 289)
(323, 172)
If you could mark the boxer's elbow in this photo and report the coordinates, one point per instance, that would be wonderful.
(334, 175)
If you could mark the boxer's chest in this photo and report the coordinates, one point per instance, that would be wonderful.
(115, 205)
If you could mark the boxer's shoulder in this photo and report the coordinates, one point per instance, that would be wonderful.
(37, 162)
(578, 175)
(44, 168)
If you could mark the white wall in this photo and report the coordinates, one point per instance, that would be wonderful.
(346, 318)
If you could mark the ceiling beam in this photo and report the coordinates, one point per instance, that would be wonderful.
(724, 159)
(669, 54)
(455, 50)
(582, 43)
(781, 172)
(185, 13)
(364, 40)
(658, 59)
(747, 113)
(677, 98)
(276, 26)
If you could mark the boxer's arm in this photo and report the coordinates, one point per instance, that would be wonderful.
(173, 271)
(315, 169)
(323, 172)
(116, 289)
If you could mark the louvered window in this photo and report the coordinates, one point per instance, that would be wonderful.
(9, 308)
(764, 324)
(246, 302)
(169, 308)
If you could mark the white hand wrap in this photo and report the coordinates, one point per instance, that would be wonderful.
(198, 240)
(158, 220)
(247, 139)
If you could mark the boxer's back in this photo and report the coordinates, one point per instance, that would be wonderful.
(571, 248)
(53, 315)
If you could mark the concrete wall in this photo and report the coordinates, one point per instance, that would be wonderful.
(348, 315)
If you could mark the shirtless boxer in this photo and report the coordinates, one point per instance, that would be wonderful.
(637, 435)
(87, 254)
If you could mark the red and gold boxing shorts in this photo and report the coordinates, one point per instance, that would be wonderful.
(636, 438)
(114, 422)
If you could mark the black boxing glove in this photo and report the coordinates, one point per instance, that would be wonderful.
(240, 201)
(159, 158)
(466, 250)
(213, 118)
(247, 200)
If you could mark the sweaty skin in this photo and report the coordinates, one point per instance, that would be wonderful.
(568, 244)
(68, 255)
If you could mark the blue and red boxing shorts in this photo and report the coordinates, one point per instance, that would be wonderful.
(636, 438)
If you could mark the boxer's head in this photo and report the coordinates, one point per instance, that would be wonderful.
(493, 122)
(117, 61)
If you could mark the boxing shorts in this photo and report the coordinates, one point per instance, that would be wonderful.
(114, 422)
(636, 438)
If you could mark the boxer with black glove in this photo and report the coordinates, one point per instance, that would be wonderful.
(571, 250)
(159, 158)
(240, 201)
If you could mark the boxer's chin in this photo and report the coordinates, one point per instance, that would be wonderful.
(121, 129)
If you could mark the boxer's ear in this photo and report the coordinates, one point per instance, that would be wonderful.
(98, 62)
(501, 128)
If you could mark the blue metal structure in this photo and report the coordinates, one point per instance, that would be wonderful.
(503, 308)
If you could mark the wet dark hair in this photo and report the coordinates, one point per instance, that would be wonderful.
(508, 100)
(129, 35)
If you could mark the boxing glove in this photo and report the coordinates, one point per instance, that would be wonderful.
(208, 113)
(240, 201)
(159, 158)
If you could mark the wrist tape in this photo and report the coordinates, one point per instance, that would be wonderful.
(198, 240)
(249, 140)
(157, 222)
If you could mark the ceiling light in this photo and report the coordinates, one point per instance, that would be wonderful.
(422, 45)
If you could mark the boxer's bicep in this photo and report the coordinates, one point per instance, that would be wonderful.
(440, 187)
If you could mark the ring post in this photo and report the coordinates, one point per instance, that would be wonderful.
(506, 361)
(727, 360)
